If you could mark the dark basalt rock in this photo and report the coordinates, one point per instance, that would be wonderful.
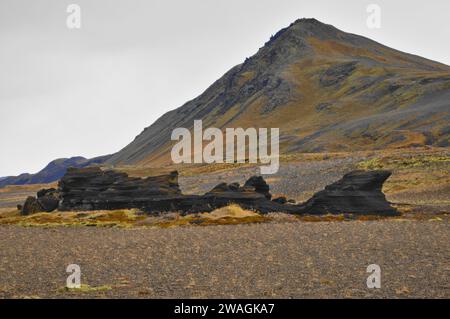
(31, 206)
(92, 188)
(47, 201)
(50, 201)
(260, 185)
(280, 200)
(254, 195)
(44, 192)
(248, 196)
(357, 192)
(95, 189)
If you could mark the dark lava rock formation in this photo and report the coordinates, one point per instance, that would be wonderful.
(92, 188)
(31, 206)
(357, 192)
(47, 201)
(260, 186)
(253, 195)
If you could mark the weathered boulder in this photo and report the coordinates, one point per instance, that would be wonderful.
(260, 185)
(48, 203)
(48, 199)
(31, 206)
(46, 191)
(358, 192)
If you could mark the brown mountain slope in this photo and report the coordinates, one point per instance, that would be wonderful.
(325, 89)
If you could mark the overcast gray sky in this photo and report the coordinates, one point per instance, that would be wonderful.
(90, 91)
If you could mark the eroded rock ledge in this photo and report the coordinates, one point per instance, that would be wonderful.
(86, 189)
(357, 192)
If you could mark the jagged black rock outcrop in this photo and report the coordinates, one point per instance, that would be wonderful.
(358, 192)
(253, 195)
(31, 206)
(260, 185)
(95, 189)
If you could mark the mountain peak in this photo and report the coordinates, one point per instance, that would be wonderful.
(324, 87)
(294, 41)
(305, 28)
(307, 21)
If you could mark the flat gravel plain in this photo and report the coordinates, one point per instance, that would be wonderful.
(272, 260)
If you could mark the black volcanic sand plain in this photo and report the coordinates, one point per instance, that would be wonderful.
(275, 260)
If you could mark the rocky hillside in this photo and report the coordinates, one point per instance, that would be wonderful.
(53, 171)
(325, 89)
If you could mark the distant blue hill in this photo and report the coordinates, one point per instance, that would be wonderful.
(53, 171)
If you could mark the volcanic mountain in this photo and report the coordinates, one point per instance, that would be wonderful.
(327, 90)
